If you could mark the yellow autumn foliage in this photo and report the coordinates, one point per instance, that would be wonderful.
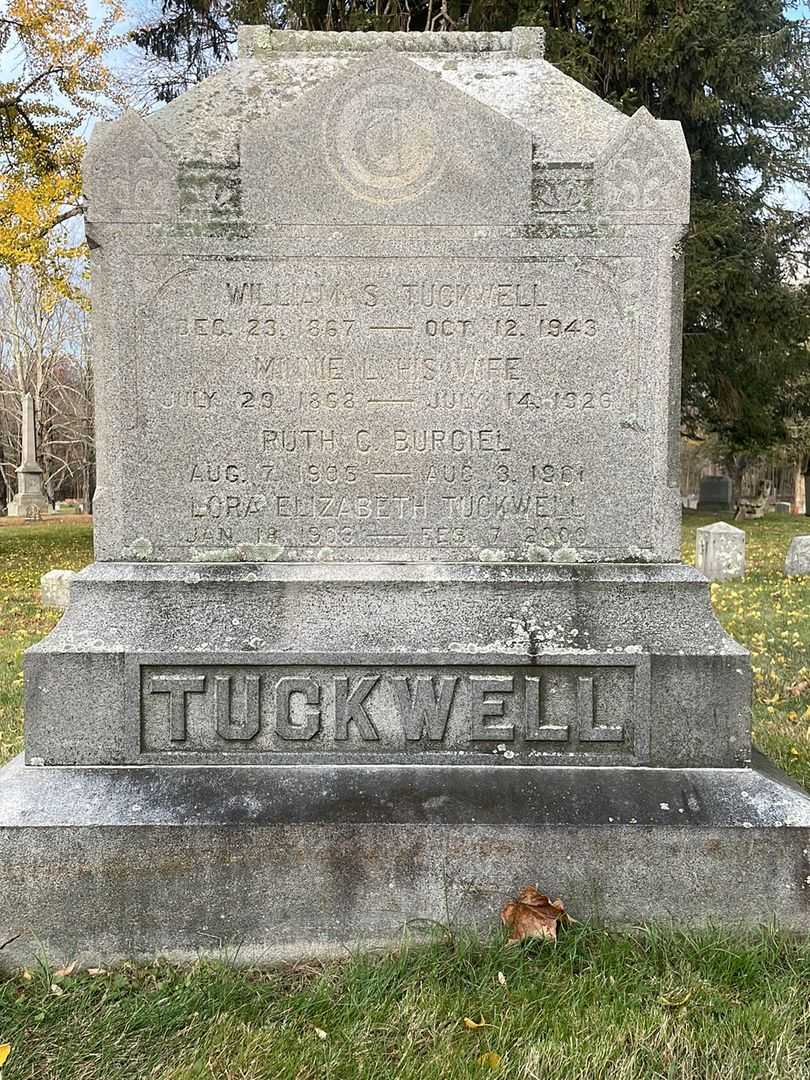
(59, 79)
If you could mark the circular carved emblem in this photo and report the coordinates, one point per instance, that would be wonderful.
(381, 143)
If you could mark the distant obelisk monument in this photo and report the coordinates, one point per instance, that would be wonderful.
(29, 497)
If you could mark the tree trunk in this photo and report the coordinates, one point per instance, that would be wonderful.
(736, 465)
(87, 488)
(798, 488)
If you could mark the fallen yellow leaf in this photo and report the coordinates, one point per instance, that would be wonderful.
(56, 989)
(501, 978)
(5, 1050)
(676, 1002)
(321, 1033)
(96, 971)
(474, 1025)
(62, 973)
(490, 1059)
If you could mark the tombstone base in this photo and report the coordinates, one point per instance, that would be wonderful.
(670, 684)
(30, 498)
(278, 862)
(24, 506)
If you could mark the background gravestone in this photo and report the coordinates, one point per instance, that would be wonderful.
(55, 586)
(715, 494)
(720, 551)
(798, 556)
(388, 332)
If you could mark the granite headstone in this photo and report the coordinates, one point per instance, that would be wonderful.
(715, 494)
(798, 556)
(387, 604)
(720, 551)
(54, 588)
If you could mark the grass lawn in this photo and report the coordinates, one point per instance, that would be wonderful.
(26, 553)
(595, 1006)
(645, 1005)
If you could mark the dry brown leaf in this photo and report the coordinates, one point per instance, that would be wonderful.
(799, 688)
(490, 1059)
(27, 975)
(62, 973)
(96, 971)
(532, 914)
(5, 1050)
(474, 1025)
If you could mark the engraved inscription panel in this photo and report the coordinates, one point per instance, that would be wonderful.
(544, 713)
(394, 408)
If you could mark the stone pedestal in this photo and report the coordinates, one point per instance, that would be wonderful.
(278, 862)
(206, 664)
(402, 744)
(30, 500)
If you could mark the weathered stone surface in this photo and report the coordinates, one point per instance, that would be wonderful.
(30, 500)
(54, 588)
(388, 359)
(720, 551)
(798, 556)
(715, 494)
(325, 343)
(782, 507)
(102, 864)
(392, 302)
(633, 649)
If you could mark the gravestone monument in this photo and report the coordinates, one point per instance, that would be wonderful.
(715, 494)
(387, 617)
(30, 500)
(720, 551)
(54, 588)
(797, 561)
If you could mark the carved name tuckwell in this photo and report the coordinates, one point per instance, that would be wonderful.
(552, 709)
